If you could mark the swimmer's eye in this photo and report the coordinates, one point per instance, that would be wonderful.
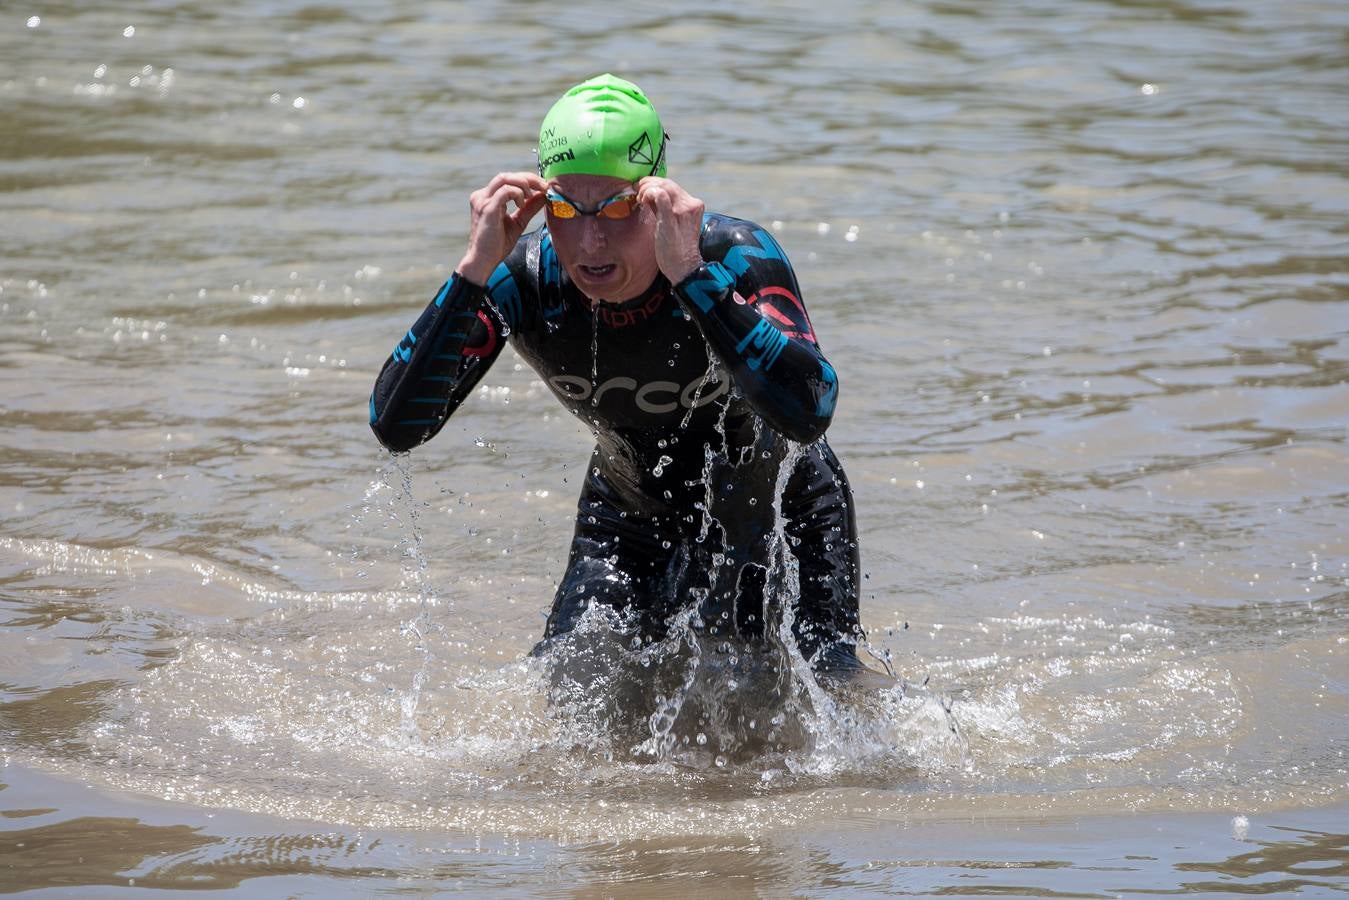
(619, 206)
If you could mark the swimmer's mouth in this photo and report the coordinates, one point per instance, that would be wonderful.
(598, 272)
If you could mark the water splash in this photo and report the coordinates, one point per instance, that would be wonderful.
(406, 509)
(713, 374)
(699, 701)
(496, 312)
(694, 699)
(706, 706)
(594, 354)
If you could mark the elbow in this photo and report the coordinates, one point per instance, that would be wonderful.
(803, 422)
(817, 407)
(390, 436)
(803, 412)
(805, 429)
(393, 441)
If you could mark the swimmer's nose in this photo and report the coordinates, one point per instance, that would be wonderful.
(592, 235)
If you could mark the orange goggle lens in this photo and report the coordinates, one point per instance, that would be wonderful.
(619, 206)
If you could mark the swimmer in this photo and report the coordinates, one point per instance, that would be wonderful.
(680, 338)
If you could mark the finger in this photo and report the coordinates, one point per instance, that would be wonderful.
(497, 203)
(681, 199)
(653, 195)
(645, 186)
(526, 189)
(527, 210)
(664, 206)
(534, 202)
(523, 180)
(495, 184)
(653, 181)
(537, 195)
(650, 186)
(673, 189)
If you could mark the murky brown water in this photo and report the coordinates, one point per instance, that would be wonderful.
(1084, 272)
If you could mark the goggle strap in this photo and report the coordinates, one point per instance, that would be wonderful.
(660, 154)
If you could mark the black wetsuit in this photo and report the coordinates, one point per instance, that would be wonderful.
(679, 502)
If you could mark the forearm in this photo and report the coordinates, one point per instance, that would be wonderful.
(786, 380)
(427, 375)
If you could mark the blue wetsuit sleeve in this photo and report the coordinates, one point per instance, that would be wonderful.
(747, 304)
(438, 362)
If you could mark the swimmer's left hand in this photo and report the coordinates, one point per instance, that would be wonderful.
(679, 226)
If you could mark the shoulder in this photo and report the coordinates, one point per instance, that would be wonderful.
(516, 263)
(721, 230)
(511, 283)
(531, 265)
(528, 280)
(739, 244)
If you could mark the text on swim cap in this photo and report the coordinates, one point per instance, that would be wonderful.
(556, 158)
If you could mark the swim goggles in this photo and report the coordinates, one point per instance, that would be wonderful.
(619, 206)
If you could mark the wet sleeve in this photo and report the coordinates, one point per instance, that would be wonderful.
(747, 304)
(439, 361)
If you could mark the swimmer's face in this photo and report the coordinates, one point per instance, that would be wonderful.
(611, 260)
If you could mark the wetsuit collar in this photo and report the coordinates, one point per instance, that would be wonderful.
(660, 286)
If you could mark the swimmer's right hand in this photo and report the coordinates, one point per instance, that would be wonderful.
(493, 228)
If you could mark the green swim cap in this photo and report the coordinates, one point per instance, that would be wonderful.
(604, 126)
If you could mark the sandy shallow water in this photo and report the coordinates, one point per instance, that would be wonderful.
(1082, 271)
